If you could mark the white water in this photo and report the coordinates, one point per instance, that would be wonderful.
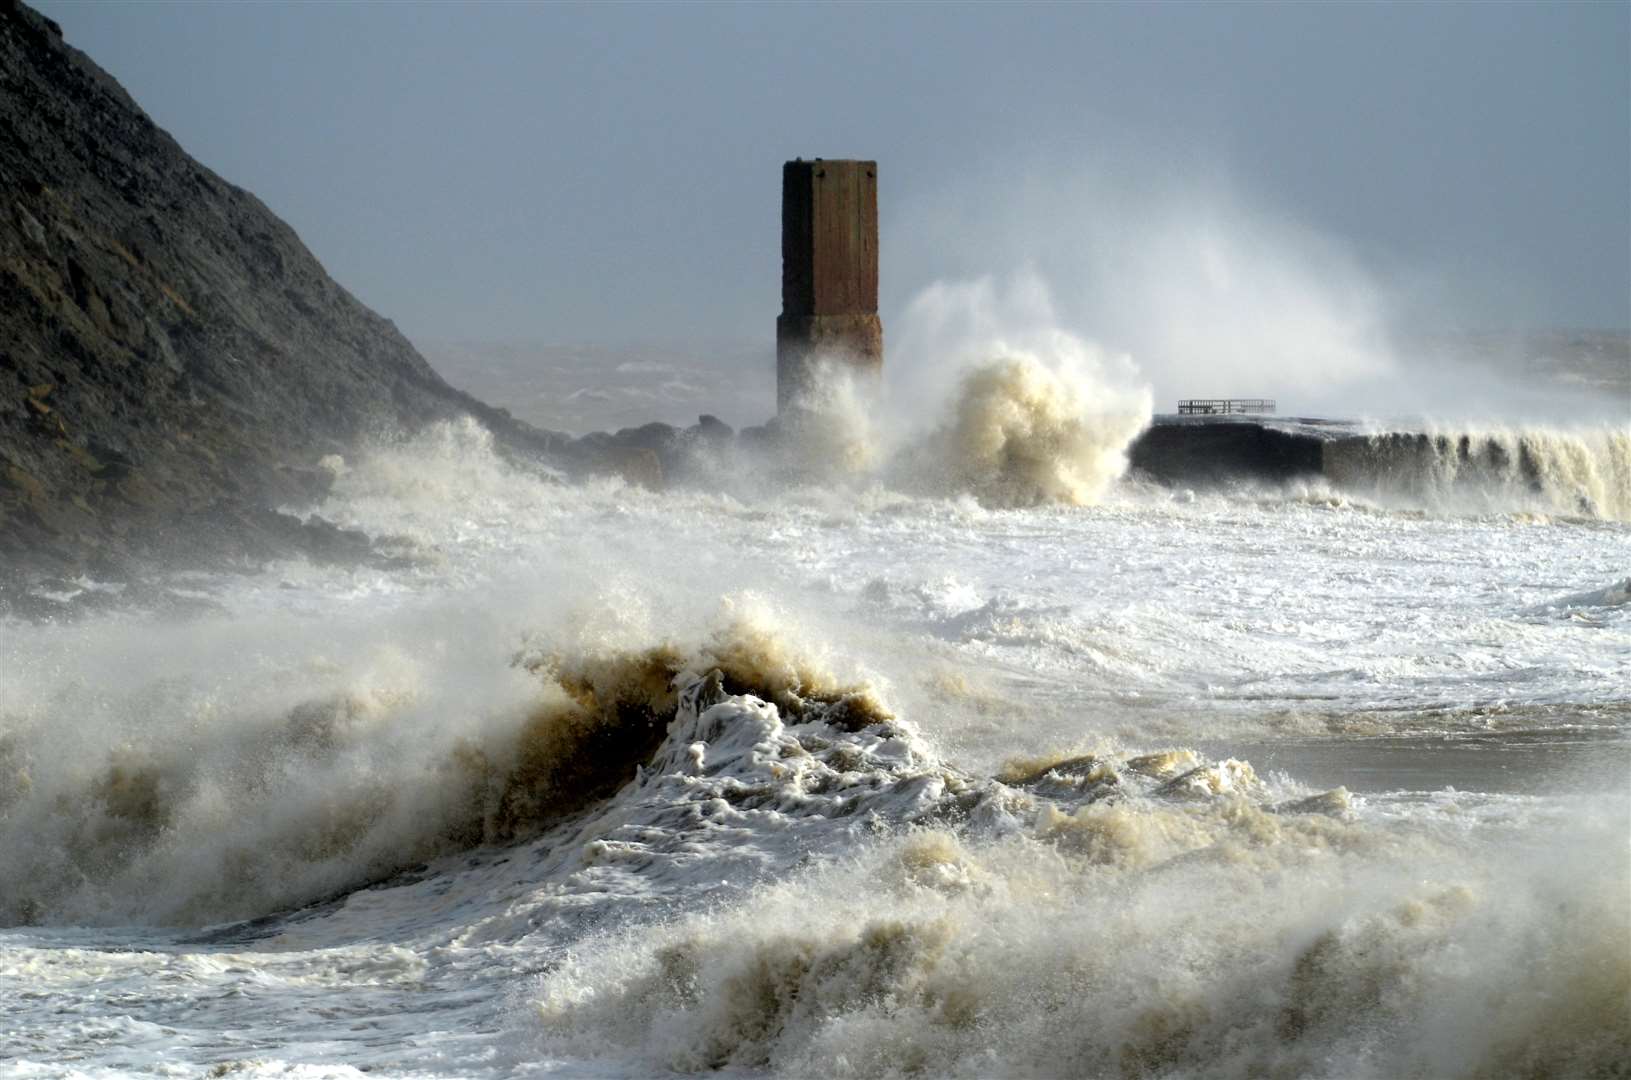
(793, 883)
(1573, 473)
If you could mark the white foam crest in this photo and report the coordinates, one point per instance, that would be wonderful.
(1614, 595)
(1024, 431)
(1026, 411)
(446, 483)
(1218, 940)
(1581, 473)
(226, 768)
(835, 428)
(985, 395)
(275, 764)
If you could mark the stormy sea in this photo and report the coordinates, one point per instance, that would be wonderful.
(951, 747)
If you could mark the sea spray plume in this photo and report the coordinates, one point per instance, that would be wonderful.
(750, 648)
(1134, 941)
(1048, 423)
(446, 475)
(1023, 432)
(254, 809)
(1218, 291)
(1583, 473)
(617, 708)
(986, 396)
(210, 810)
(953, 325)
(992, 396)
(1170, 259)
(833, 428)
(1019, 431)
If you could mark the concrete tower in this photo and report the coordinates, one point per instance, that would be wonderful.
(829, 271)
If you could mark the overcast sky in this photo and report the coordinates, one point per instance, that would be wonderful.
(611, 172)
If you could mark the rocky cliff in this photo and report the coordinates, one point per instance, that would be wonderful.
(173, 361)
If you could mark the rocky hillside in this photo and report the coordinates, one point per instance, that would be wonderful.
(173, 361)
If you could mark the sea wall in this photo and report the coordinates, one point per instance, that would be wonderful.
(1584, 473)
(1212, 450)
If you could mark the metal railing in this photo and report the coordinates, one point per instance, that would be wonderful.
(1224, 406)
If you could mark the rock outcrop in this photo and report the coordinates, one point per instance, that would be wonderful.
(173, 360)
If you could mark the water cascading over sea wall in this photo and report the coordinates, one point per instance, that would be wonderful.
(1585, 473)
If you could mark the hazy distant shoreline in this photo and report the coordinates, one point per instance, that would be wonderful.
(584, 387)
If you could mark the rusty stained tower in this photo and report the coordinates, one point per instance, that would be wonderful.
(829, 272)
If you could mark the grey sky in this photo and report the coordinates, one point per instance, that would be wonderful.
(610, 172)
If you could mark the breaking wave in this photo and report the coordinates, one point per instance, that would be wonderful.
(1219, 940)
(1022, 429)
(726, 852)
(242, 812)
(692, 842)
(1023, 432)
(1584, 474)
(1117, 915)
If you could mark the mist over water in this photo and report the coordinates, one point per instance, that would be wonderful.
(930, 739)
(984, 397)
(1165, 257)
(980, 720)
(956, 753)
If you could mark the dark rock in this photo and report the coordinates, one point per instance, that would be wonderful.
(194, 353)
(643, 456)
(1219, 450)
(657, 437)
(710, 429)
(764, 437)
(639, 466)
(32, 229)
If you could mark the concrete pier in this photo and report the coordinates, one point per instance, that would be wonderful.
(1206, 450)
(829, 272)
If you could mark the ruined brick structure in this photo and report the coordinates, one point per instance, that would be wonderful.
(829, 271)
